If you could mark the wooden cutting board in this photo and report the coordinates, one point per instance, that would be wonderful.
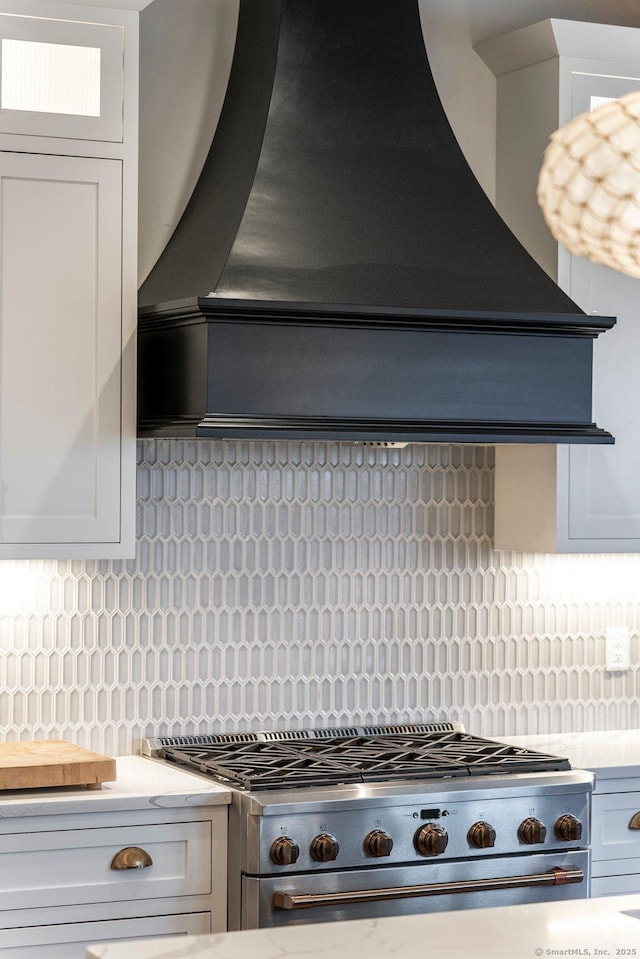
(46, 763)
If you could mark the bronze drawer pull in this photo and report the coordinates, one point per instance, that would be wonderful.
(635, 821)
(131, 857)
(555, 877)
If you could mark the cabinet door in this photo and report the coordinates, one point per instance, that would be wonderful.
(60, 353)
(615, 846)
(600, 486)
(67, 940)
(571, 499)
(612, 836)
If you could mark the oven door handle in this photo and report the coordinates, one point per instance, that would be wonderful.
(555, 877)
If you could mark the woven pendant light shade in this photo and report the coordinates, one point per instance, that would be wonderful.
(589, 184)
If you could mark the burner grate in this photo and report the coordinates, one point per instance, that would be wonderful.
(252, 762)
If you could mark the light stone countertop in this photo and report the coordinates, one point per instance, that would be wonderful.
(141, 783)
(585, 927)
(614, 754)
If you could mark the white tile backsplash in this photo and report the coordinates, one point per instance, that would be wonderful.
(302, 584)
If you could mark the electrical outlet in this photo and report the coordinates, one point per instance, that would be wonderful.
(617, 647)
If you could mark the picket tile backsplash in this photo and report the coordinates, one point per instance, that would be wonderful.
(311, 584)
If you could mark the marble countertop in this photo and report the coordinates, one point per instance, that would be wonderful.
(140, 783)
(610, 755)
(587, 927)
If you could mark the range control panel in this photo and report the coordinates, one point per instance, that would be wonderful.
(405, 833)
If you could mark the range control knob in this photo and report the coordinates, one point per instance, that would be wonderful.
(568, 828)
(531, 831)
(431, 840)
(481, 835)
(378, 843)
(284, 851)
(324, 848)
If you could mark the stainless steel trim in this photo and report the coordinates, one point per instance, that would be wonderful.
(555, 877)
(419, 792)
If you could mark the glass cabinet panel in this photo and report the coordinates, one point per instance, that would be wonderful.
(61, 79)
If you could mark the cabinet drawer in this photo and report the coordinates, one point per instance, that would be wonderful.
(614, 886)
(73, 867)
(70, 940)
(601, 868)
(611, 837)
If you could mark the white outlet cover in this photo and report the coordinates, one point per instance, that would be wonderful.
(617, 648)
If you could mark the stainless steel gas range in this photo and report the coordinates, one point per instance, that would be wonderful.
(349, 823)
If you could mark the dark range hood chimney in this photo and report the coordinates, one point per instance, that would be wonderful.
(339, 273)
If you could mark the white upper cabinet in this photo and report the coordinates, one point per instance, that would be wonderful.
(68, 255)
(568, 499)
(60, 368)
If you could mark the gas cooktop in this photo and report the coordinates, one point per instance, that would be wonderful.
(325, 757)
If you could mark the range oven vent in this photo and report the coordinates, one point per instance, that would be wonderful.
(154, 744)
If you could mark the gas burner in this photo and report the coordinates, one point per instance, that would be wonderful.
(258, 761)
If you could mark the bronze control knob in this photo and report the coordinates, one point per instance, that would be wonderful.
(431, 840)
(378, 843)
(568, 828)
(284, 851)
(324, 848)
(481, 835)
(531, 831)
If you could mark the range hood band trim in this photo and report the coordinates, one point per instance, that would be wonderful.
(425, 431)
(218, 309)
(207, 361)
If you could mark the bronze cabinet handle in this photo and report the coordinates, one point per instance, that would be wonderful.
(555, 877)
(131, 857)
(634, 823)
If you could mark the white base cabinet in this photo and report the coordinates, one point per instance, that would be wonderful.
(568, 499)
(60, 891)
(613, 756)
(615, 842)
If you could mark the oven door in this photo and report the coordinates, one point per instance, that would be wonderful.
(413, 888)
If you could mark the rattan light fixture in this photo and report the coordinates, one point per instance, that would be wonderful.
(589, 184)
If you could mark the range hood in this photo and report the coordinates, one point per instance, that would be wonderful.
(339, 273)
